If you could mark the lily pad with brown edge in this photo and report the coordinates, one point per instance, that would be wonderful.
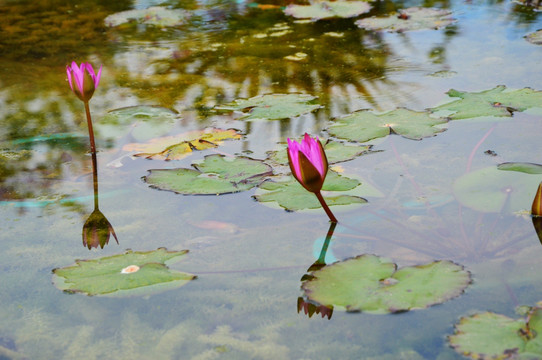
(273, 106)
(499, 102)
(493, 336)
(336, 152)
(368, 283)
(328, 9)
(179, 146)
(288, 194)
(156, 16)
(414, 18)
(128, 274)
(493, 190)
(365, 125)
(534, 37)
(216, 175)
(144, 122)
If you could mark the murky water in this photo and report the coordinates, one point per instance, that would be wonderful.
(249, 257)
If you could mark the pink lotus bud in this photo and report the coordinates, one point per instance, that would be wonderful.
(308, 162)
(83, 80)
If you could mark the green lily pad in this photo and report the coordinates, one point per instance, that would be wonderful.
(143, 121)
(216, 175)
(156, 16)
(273, 106)
(493, 190)
(364, 125)
(494, 102)
(414, 18)
(179, 146)
(328, 9)
(131, 273)
(535, 37)
(374, 285)
(291, 196)
(336, 152)
(493, 336)
(524, 167)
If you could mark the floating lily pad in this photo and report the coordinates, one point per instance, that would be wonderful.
(291, 196)
(493, 190)
(335, 152)
(156, 16)
(328, 9)
(179, 146)
(216, 175)
(364, 125)
(371, 284)
(273, 106)
(143, 121)
(131, 273)
(535, 37)
(527, 168)
(414, 18)
(494, 102)
(493, 336)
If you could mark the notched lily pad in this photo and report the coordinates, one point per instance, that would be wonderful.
(216, 175)
(336, 152)
(290, 195)
(498, 101)
(156, 16)
(328, 9)
(371, 284)
(131, 273)
(143, 121)
(414, 18)
(364, 125)
(273, 106)
(535, 37)
(179, 146)
(494, 336)
(524, 167)
(493, 190)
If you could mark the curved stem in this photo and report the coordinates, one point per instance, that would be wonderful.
(326, 208)
(90, 129)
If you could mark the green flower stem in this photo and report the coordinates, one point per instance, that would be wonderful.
(90, 129)
(326, 208)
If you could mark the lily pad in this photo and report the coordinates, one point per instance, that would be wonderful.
(414, 18)
(493, 190)
(494, 102)
(524, 167)
(273, 106)
(335, 151)
(143, 121)
(156, 16)
(494, 336)
(131, 273)
(179, 146)
(328, 9)
(364, 125)
(291, 196)
(535, 37)
(216, 175)
(372, 284)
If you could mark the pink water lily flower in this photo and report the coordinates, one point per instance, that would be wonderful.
(309, 166)
(83, 80)
(308, 162)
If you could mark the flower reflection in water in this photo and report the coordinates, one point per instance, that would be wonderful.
(310, 308)
(97, 229)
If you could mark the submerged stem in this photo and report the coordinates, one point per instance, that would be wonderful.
(326, 208)
(90, 129)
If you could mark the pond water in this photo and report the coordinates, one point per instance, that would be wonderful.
(250, 257)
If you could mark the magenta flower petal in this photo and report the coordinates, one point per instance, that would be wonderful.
(310, 168)
(84, 89)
